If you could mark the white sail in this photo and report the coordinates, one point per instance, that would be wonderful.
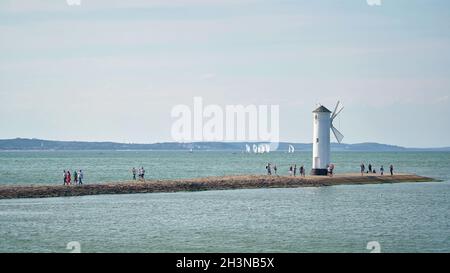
(247, 148)
(291, 149)
(262, 148)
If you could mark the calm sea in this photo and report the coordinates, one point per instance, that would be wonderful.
(407, 217)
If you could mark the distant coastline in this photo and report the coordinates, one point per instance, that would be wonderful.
(26, 144)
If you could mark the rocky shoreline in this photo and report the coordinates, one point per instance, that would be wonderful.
(201, 184)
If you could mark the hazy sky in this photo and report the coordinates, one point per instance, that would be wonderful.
(113, 70)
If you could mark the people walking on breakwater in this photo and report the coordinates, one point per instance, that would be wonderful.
(139, 172)
(302, 171)
(290, 170)
(269, 169)
(142, 174)
(275, 169)
(330, 169)
(133, 171)
(68, 178)
(295, 170)
(372, 170)
(80, 177)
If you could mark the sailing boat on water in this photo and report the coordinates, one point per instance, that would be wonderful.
(291, 149)
(247, 148)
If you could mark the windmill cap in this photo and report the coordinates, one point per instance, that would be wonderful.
(322, 109)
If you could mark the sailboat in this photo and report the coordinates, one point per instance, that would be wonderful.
(255, 148)
(291, 149)
(247, 148)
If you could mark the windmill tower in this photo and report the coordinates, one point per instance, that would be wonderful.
(323, 123)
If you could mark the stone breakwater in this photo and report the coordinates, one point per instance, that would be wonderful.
(202, 184)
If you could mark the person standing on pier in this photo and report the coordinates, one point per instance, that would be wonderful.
(295, 170)
(391, 169)
(370, 168)
(275, 169)
(302, 171)
(290, 170)
(330, 170)
(65, 178)
(80, 177)
(143, 174)
(75, 177)
(363, 168)
(268, 168)
(69, 178)
(133, 171)
(382, 170)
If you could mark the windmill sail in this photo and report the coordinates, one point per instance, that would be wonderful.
(339, 136)
(336, 112)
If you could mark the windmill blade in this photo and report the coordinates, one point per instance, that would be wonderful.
(336, 114)
(339, 136)
(335, 109)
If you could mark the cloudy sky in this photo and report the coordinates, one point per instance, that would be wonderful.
(112, 70)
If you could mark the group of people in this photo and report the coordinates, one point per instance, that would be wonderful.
(78, 177)
(292, 170)
(139, 172)
(269, 169)
(330, 169)
(371, 169)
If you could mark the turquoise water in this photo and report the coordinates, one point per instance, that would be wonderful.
(105, 166)
(407, 217)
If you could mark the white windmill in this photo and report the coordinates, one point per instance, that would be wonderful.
(323, 123)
